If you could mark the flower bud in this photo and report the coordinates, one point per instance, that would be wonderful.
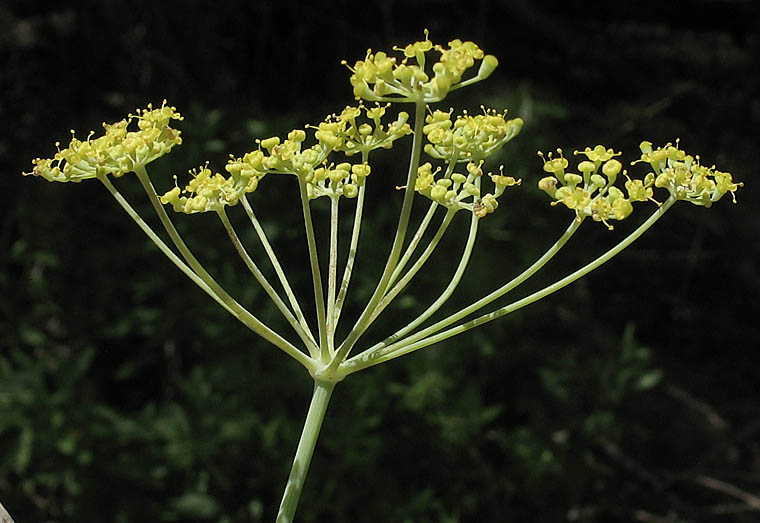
(573, 179)
(487, 66)
(458, 178)
(437, 192)
(611, 168)
(586, 167)
(361, 170)
(297, 135)
(350, 190)
(621, 208)
(270, 143)
(548, 185)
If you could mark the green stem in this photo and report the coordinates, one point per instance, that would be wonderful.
(277, 267)
(316, 414)
(150, 233)
(316, 274)
(353, 245)
(451, 287)
(474, 307)
(245, 317)
(398, 240)
(332, 274)
(240, 248)
(404, 347)
(404, 281)
(413, 243)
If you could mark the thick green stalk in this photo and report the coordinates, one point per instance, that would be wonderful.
(316, 273)
(316, 414)
(240, 248)
(403, 347)
(398, 240)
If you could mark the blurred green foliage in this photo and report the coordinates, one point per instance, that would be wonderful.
(126, 395)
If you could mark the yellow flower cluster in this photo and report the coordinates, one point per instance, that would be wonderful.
(360, 129)
(209, 191)
(684, 177)
(460, 191)
(468, 138)
(287, 156)
(591, 193)
(118, 151)
(380, 77)
(347, 132)
(334, 181)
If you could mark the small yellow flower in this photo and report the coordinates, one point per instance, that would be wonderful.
(600, 210)
(417, 49)
(598, 154)
(573, 198)
(586, 167)
(572, 179)
(485, 206)
(350, 113)
(556, 166)
(270, 143)
(504, 181)
(359, 173)
(621, 208)
(639, 191)
(350, 190)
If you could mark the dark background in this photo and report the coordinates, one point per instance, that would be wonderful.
(126, 395)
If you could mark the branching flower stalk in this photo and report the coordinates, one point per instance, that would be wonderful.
(445, 166)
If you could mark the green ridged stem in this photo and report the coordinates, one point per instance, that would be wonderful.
(319, 400)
